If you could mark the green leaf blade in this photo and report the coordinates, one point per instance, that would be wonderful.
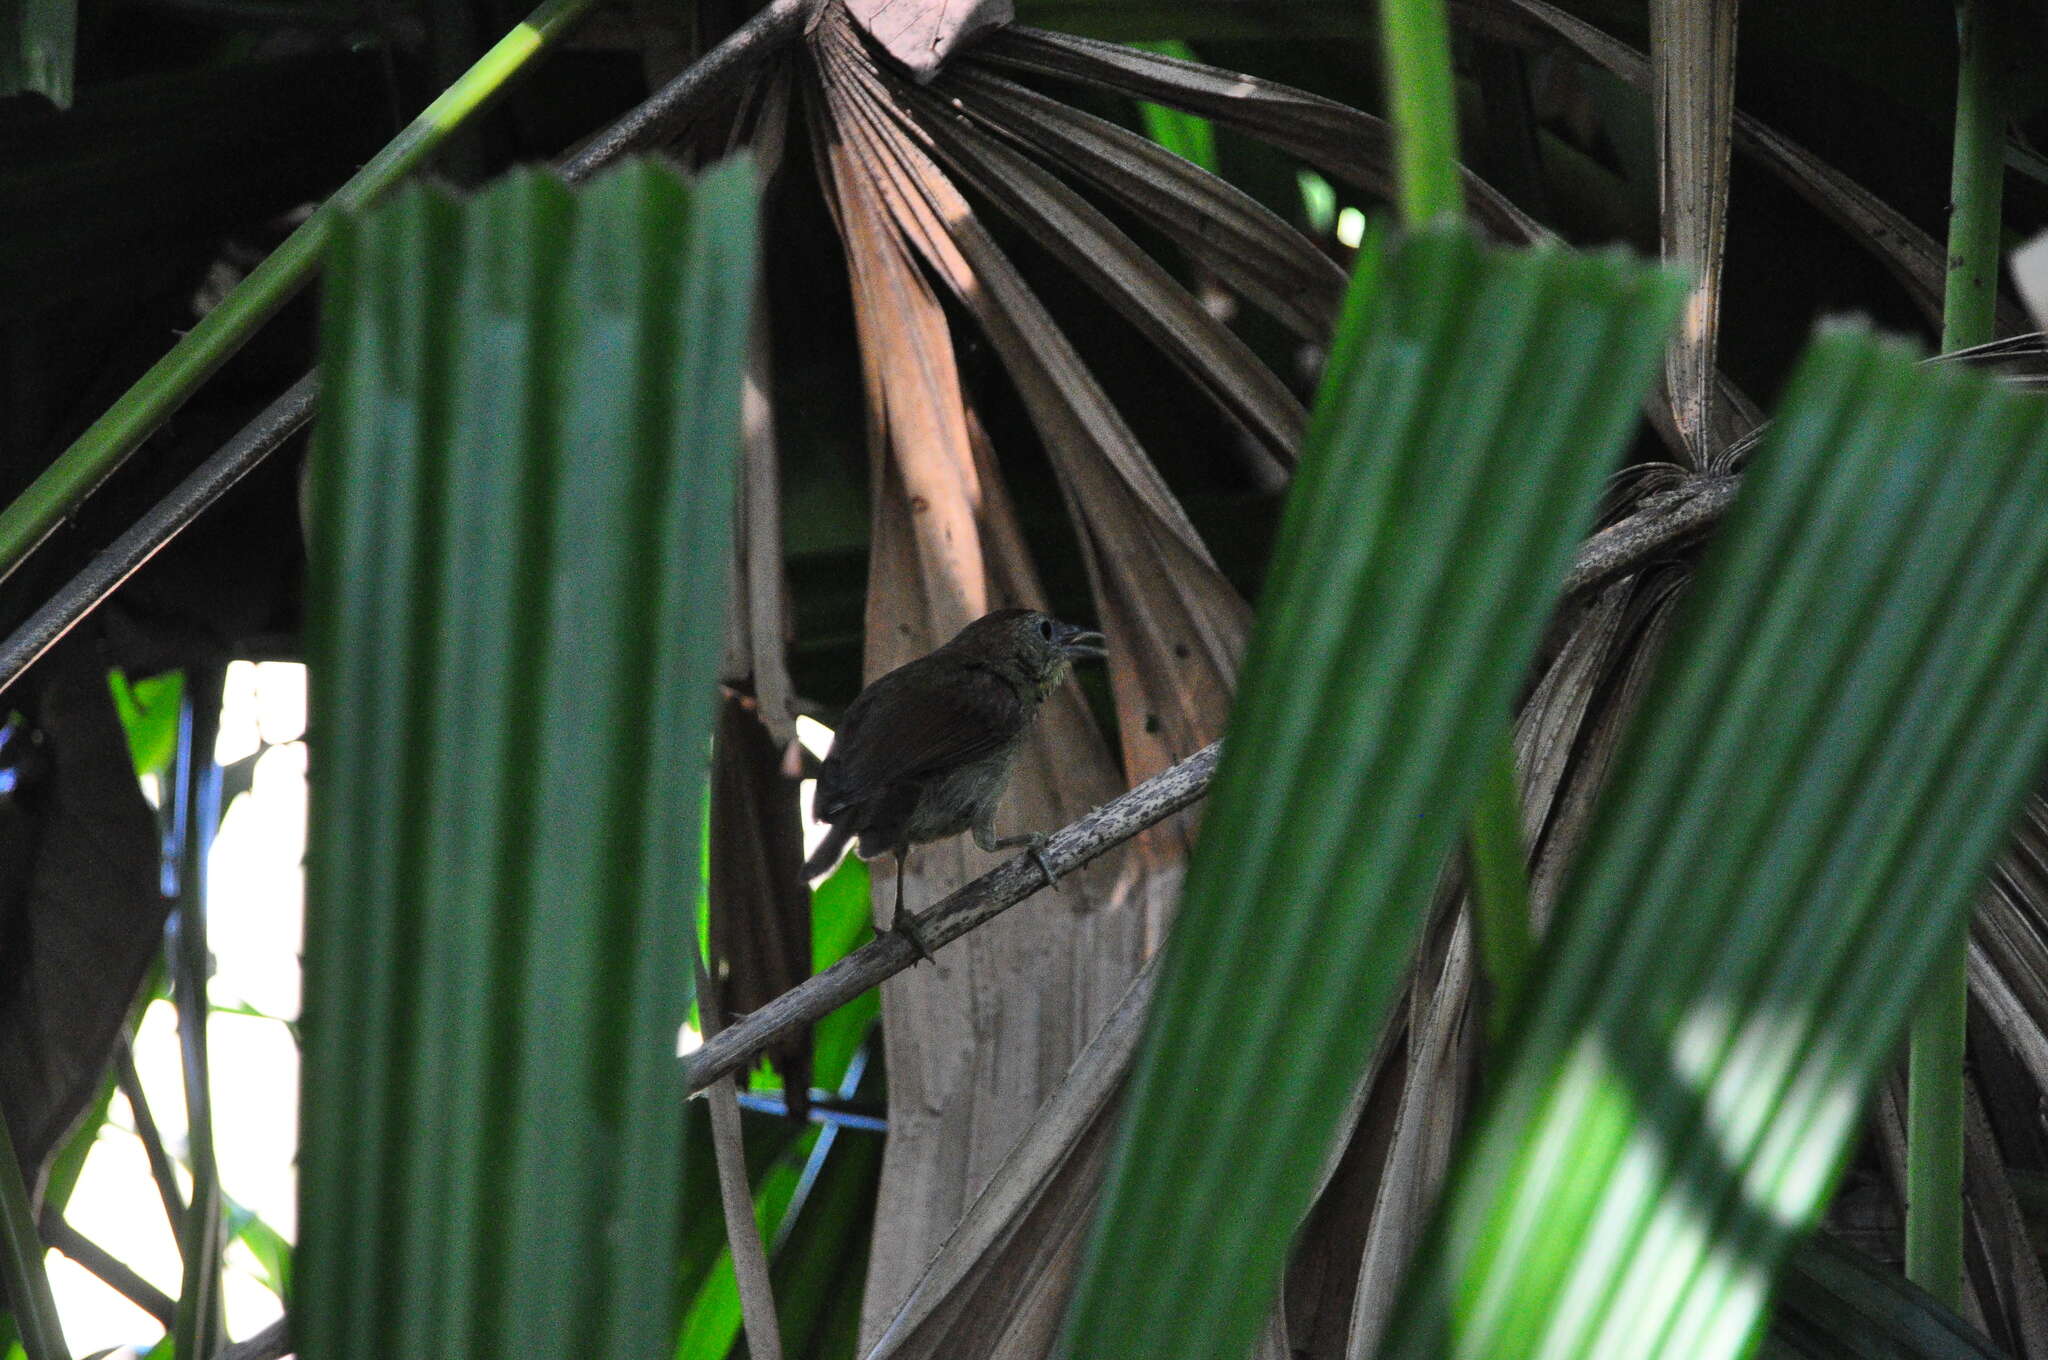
(1475, 403)
(522, 495)
(1836, 741)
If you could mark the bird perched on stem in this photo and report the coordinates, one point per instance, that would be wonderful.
(925, 751)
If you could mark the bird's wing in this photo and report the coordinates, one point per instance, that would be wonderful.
(910, 732)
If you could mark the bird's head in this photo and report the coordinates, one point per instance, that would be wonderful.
(1038, 647)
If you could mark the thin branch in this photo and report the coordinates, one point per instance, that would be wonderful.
(1664, 522)
(200, 1320)
(59, 1233)
(122, 558)
(23, 1280)
(1661, 523)
(823, 1108)
(160, 1168)
(713, 77)
(967, 907)
(742, 1232)
(272, 1343)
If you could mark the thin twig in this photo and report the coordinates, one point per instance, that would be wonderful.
(23, 1280)
(123, 557)
(742, 1232)
(986, 897)
(59, 1233)
(823, 1108)
(1660, 524)
(272, 1343)
(711, 78)
(1666, 521)
(200, 1320)
(160, 1168)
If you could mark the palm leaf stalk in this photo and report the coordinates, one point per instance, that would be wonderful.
(1934, 1169)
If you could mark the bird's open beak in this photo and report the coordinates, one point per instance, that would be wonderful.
(1079, 643)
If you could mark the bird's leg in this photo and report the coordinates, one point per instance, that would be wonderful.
(985, 836)
(902, 924)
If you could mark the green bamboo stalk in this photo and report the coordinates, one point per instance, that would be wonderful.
(1416, 41)
(139, 411)
(1934, 1103)
(1977, 181)
(22, 1276)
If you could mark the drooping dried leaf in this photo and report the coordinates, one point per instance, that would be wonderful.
(759, 906)
(1177, 625)
(1692, 59)
(922, 34)
(84, 915)
(1248, 248)
(1005, 1273)
(2009, 944)
(977, 1042)
(1126, 277)
(758, 629)
(1564, 735)
(1342, 142)
(1441, 1051)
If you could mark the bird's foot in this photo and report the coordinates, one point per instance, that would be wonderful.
(1034, 846)
(1037, 853)
(905, 925)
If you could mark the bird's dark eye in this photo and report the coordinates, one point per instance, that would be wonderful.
(1045, 629)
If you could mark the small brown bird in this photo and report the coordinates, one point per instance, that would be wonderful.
(925, 751)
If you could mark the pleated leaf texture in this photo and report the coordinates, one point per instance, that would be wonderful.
(1474, 403)
(521, 526)
(1834, 747)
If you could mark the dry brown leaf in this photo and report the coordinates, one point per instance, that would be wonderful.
(1246, 246)
(923, 33)
(974, 1049)
(1021, 1230)
(1340, 141)
(82, 914)
(1177, 627)
(1131, 281)
(1431, 1112)
(759, 905)
(977, 1042)
(1692, 60)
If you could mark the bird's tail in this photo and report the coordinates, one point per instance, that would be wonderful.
(828, 853)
